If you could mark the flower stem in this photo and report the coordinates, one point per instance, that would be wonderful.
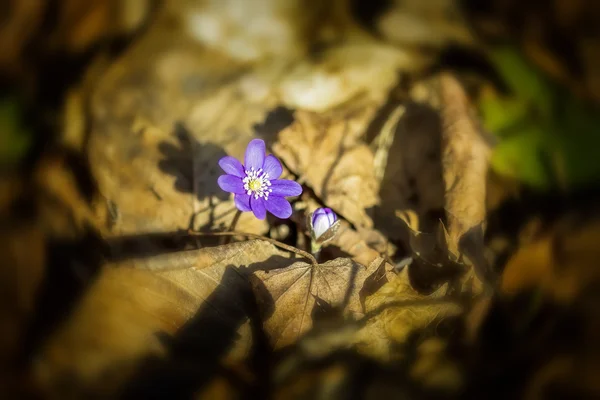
(289, 248)
(315, 249)
(236, 218)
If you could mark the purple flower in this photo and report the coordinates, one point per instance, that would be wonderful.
(255, 185)
(321, 222)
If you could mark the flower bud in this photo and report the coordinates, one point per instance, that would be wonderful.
(323, 225)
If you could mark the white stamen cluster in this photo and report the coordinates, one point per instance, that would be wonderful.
(257, 183)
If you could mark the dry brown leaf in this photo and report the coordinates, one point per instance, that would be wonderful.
(326, 154)
(328, 380)
(166, 112)
(432, 23)
(353, 243)
(290, 298)
(20, 20)
(68, 207)
(199, 301)
(433, 369)
(358, 67)
(268, 31)
(162, 117)
(394, 321)
(465, 158)
(75, 28)
(548, 291)
(574, 64)
(21, 273)
(431, 263)
(562, 263)
(431, 248)
(412, 177)
(53, 222)
(252, 30)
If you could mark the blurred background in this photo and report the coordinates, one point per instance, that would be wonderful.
(457, 141)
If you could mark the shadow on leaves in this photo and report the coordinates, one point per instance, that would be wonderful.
(193, 164)
(277, 120)
(413, 173)
(196, 353)
(71, 268)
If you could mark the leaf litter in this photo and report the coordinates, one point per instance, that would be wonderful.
(137, 295)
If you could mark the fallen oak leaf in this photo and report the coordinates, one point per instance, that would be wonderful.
(289, 298)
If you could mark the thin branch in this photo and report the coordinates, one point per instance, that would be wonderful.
(289, 248)
(236, 218)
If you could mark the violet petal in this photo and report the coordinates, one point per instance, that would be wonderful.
(279, 207)
(230, 183)
(255, 154)
(242, 202)
(258, 207)
(316, 214)
(320, 225)
(232, 166)
(272, 166)
(284, 187)
(331, 216)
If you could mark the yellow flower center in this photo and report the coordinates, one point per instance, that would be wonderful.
(254, 185)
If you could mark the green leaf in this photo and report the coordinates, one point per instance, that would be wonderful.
(521, 157)
(547, 137)
(15, 138)
(524, 81)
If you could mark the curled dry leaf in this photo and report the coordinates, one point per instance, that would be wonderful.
(191, 304)
(326, 154)
(412, 174)
(291, 298)
(430, 248)
(431, 263)
(465, 158)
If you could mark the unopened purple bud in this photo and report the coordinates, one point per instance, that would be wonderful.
(321, 222)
